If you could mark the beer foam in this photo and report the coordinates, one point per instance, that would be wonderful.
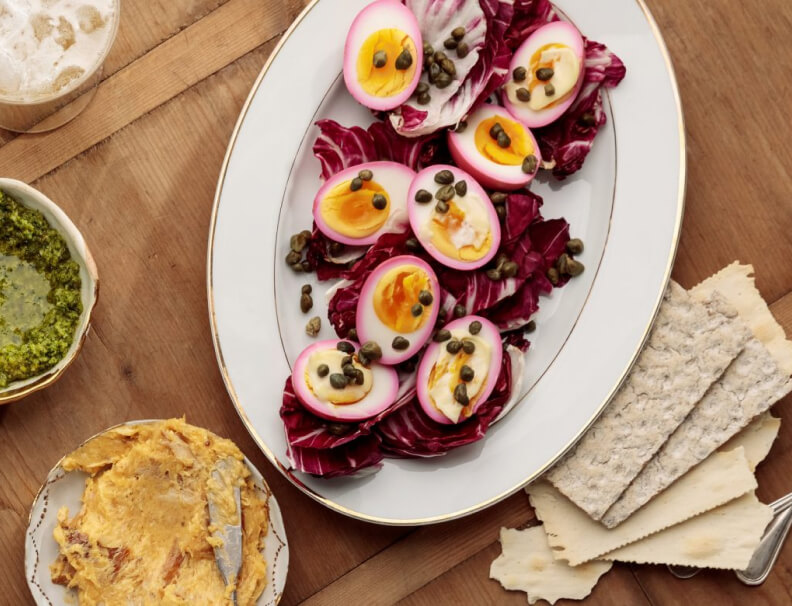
(47, 46)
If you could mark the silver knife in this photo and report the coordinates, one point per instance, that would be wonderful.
(228, 555)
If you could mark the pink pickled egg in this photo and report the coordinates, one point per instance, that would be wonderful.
(441, 372)
(549, 66)
(462, 232)
(353, 402)
(383, 56)
(398, 306)
(497, 150)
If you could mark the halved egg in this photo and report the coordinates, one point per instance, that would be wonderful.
(453, 217)
(329, 381)
(496, 149)
(457, 375)
(398, 307)
(359, 204)
(546, 74)
(383, 56)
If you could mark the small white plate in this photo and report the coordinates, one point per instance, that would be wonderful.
(66, 488)
(626, 204)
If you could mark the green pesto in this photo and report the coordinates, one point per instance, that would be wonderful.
(40, 293)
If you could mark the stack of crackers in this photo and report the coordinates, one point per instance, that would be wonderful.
(665, 475)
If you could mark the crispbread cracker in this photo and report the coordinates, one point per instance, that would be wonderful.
(577, 538)
(725, 537)
(751, 384)
(756, 439)
(736, 284)
(527, 564)
(690, 346)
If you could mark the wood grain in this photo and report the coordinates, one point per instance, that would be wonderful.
(137, 173)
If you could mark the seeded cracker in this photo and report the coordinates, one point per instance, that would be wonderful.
(690, 346)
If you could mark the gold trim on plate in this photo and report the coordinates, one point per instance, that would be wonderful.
(489, 502)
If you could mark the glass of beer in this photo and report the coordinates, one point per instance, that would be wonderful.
(51, 57)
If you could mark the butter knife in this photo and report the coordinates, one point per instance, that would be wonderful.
(228, 554)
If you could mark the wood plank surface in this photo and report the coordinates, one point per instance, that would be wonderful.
(137, 172)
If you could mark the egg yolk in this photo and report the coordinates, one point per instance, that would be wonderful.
(444, 378)
(396, 294)
(352, 213)
(513, 155)
(461, 234)
(566, 67)
(321, 387)
(385, 81)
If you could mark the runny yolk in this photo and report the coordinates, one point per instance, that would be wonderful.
(443, 368)
(537, 63)
(514, 155)
(386, 81)
(445, 229)
(395, 295)
(352, 213)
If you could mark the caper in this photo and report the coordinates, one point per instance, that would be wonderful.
(468, 346)
(422, 87)
(363, 360)
(400, 343)
(459, 311)
(425, 297)
(442, 335)
(306, 266)
(466, 373)
(313, 327)
(356, 184)
(371, 350)
(496, 130)
(336, 248)
(338, 429)
(504, 140)
(306, 289)
(448, 67)
(352, 334)
(463, 50)
(424, 99)
(523, 94)
(461, 127)
(441, 207)
(298, 242)
(530, 327)
(529, 164)
(404, 60)
(412, 245)
(427, 49)
(422, 196)
(416, 310)
(366, 175)
(553, 276)
(562, 265)
(510, 269)
(441, 316)
(379, 201)
(439, 56)
(349, 371)
(574, 246)
(460, 394)
(444, 177)
(453, 346)
(549, 89)
(475, 327)
(575, 268)
(445, 193)
(346, 347)
(442, 80)
(451, 44)
(588, 119)
(434, 71)
(322, 370)
(338, 381)
(461, 188)
(501, 260)
(380, 59)
(306, 234)
(297, 268)
(494, 274)
(544, 73)
(293, 257)
(458, 33)
(500, 209)
(359, 377)
(519, 74)
(409, 365)
(499, 198)
(306, 303)
(346, 360)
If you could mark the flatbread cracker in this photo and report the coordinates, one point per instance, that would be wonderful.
(576, 538)
(527, 564)
(756, 439)
(725, 538)
(736, 284)
(751, 384)
(690, 346)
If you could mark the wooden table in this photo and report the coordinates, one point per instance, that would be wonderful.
(137, 174)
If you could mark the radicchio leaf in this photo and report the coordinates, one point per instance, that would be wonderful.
(529, 15)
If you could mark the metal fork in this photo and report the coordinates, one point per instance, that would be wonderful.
(765, 555)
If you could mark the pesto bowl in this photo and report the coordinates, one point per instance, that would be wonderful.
(35, 200)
